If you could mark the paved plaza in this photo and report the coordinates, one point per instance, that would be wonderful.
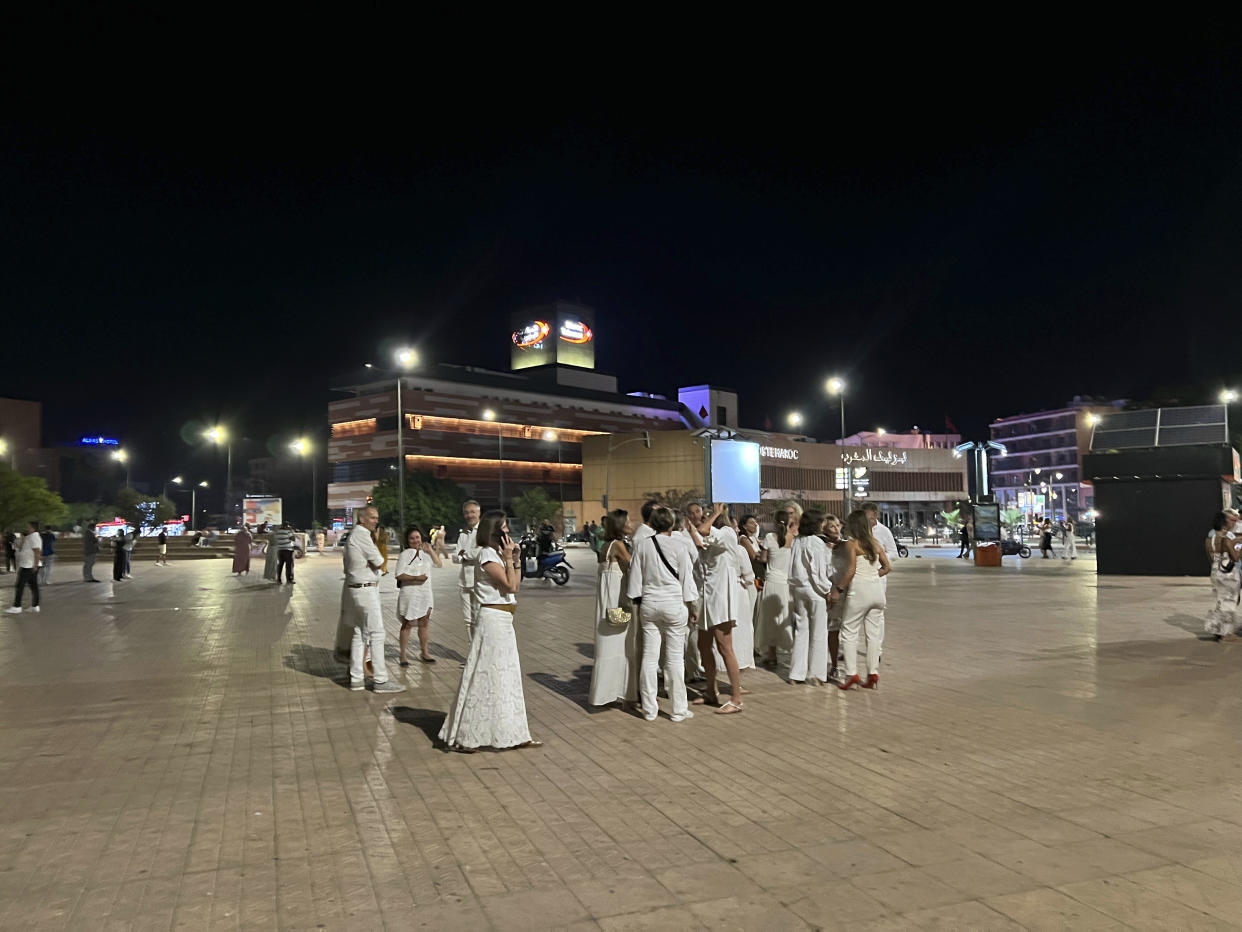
(1048, 750)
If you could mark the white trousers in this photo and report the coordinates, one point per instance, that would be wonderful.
(469, 610)
(864, 607)
(663, 623)
(364, 613)
(1070, 549)
(810, 640)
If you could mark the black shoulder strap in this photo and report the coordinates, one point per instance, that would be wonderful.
(664, 559)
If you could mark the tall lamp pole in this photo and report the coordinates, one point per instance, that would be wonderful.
(836, 386)
(490, 415)
(302, 447)
(122, 457)
(406, 359)
(219, 435)
(552, 437)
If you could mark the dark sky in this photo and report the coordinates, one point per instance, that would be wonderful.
(959, 233)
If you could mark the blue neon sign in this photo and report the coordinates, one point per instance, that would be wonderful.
(99, 442)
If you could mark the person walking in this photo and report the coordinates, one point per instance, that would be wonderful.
(131, 541)
(118, 555)
(49, 556)
(361, 599)
(963, 552)
(414, 596)
(661, 580)
(1070, 550)
(490, 707)
(285, 541)
(1045, 539)
(28, 557)
(10, 551)
(162, 540)
(265, 534)
(90, 551)
(810, 581)
(864, 600)
(241, 551)
(1221, 545)
(464, 557)
(610, 673)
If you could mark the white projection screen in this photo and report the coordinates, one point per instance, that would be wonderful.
(735, 471)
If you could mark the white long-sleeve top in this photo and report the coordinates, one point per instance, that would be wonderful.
(362, 558)
(651, 581)
(884, 537)
(811, 565)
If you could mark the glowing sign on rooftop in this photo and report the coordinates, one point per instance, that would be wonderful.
(531, 334)
(99, 442)
(575, 331)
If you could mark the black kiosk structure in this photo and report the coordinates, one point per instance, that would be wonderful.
(1160, 475)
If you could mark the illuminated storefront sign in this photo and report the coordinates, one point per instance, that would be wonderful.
(531, 334)
(779, 453)
(575, 331)
(869, 455)
(99, 442)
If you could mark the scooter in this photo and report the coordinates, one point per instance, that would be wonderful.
(1011, 547)
(550, 565)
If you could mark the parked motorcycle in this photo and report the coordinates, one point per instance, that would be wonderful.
(1011, 547)
(902, 549)
(544, 558)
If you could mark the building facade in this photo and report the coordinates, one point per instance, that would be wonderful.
(1041, 471)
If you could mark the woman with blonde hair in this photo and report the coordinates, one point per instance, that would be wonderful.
(863, 587)
(722, 597)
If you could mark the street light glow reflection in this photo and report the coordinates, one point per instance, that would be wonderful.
(835, 385)
(795, 419)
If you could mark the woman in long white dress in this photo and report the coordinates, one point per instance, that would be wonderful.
(490, 708)
(775, 629)
(744, 630)
(748, 537)
(614, 674)
(414, 598)
(722, 598)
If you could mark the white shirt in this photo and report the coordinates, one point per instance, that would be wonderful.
(484, 588)
(811, 565)
(360, 554)
(778, 557)
(413, 563)
(31, 549)
(651, 580)
(644, 531)
(884, 537)
(466, 556)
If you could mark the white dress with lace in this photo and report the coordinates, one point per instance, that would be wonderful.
(611, 674)
(490, 708)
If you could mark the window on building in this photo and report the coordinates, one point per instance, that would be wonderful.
(720, 416)
(354, 428)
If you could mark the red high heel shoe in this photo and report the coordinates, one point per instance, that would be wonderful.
(873, 682)
(851, 682)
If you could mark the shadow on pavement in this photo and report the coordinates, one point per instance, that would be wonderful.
(586, 650)
(577, 688)
(315, 660)
(428, 721)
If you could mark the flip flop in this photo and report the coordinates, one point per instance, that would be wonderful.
(427, 659)
(703, 700)
(731, 708)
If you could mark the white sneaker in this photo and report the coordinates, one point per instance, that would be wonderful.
(15, 610)
(682, 718)
(35, 609)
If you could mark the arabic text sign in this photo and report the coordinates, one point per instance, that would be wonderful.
(884, 457)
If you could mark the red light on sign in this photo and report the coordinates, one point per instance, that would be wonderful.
(532, 334)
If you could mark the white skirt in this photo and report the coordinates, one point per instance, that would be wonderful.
(743, 633)
(611, 675)
(414, 602)
(490, 708)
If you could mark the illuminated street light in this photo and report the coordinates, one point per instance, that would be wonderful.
(1059, 475)
(550, 436)
(1093, 419)
(302, 447)
(1228, 396)
(219, 435)
(794, 419)
(836, 386)
(122, 457)
(490, 415)
(880, 432)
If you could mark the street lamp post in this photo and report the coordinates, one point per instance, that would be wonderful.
(836, 386)
(552, 437)
(194, 504)
(218, 435)
(406, 359)
(175, 480)
(302, 447)
(122, 457)
(490, 415)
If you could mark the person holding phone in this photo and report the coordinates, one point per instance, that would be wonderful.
(414, 598)
(490, 707)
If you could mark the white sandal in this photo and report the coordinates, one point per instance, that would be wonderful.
(731, 705)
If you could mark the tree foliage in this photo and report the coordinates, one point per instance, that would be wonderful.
(27, 498)
(139, 510)
(89, 512)
(535, 506)
(429, 502)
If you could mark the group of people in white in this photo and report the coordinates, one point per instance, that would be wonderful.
(704, 591)
(699, 589)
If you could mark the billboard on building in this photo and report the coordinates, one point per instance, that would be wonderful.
(557, 333)
(262, 510)
(735, 471)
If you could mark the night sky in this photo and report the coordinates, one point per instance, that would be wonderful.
(958, 233)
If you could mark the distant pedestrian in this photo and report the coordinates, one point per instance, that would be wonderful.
(118, 555)
(28, 558)
(964, 552)
(49, 556)
(1045, 539)
(241, 551)
(10, 551)
(90, 550)
(131, 541)
(321, 540)
(285, 543)
(269, 553)
(162, 540)
(1070, 550)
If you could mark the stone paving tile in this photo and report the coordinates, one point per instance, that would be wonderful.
(179, 751)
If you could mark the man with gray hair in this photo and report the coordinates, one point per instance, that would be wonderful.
(465, 555)
(361, 600)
